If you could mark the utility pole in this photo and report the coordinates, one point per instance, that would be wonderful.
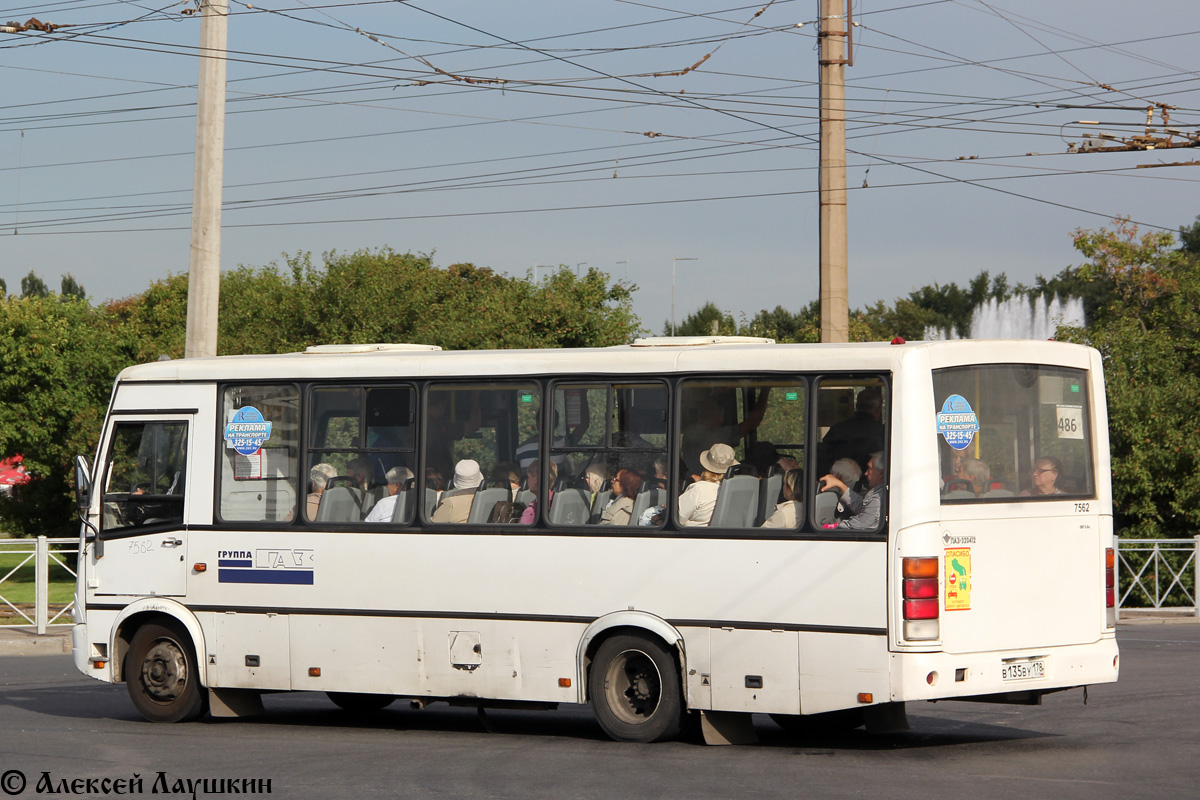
(832, 35)
(204, 274)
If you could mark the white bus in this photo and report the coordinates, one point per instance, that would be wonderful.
(231, 546)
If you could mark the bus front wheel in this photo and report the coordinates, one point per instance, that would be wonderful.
(635, 690)
(161, 675)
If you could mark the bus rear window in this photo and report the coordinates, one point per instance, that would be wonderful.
(1013, 432)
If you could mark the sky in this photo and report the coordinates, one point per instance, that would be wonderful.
(627, 136)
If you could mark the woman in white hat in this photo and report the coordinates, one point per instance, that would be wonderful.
(697, 502)
(456, 503)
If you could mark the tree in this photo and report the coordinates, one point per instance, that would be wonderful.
(707, 321)
(33, 286)
(71, 289)
(3, 288)
(58, 360)
(1149, 338)
(1189, 236)
(57, 365)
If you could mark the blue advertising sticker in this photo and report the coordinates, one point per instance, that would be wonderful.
(247, 431)
(956, 422)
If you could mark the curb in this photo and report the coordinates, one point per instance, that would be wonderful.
(22, 642)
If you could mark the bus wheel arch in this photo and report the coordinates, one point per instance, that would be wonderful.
(634, 670)
(154, 611)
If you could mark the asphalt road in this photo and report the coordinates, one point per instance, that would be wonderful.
(1138, 738)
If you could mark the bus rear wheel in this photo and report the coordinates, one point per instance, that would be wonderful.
(161, 675)
(635, 690)
(357, 703)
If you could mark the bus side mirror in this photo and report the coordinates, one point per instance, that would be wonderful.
(83, 485)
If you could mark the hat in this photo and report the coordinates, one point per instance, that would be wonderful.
(718, 458)
(467, 474)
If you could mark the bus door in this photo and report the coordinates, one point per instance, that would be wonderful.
(143, 535)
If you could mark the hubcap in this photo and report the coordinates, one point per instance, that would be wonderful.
(633, 686)
(164, 671)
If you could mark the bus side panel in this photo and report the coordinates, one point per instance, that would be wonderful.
(836, 668)
(523, 661)
(358, 601)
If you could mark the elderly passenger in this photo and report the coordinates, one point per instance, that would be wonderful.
(867, 509)
(319, 475)
(385, 509)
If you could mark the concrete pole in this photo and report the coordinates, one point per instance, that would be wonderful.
(41, 583)
(835, 305)
(204, 276)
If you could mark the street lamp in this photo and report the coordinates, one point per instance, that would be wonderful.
(673, 261)
(626, 263)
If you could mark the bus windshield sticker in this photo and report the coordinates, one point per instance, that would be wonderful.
(1070, 422)
(958, 579)
(956, 422)
(247, 431)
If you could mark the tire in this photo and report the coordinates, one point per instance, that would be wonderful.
(356, 703)
(635, 691)
(161, 675)
(828, 722)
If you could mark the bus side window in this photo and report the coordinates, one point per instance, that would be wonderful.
(759, 423)
(478, 437)
(259, 460)
(608, 439)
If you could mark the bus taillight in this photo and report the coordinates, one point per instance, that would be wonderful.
(1110, 586)
(920, 599)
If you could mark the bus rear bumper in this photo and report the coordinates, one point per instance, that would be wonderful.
(945, 676)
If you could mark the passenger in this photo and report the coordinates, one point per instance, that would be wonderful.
(977, 473)
(531, 481)
(595, 475)
(762, 455)
(787, 514)
(661, 476)
(386, 508)
(710, 429)
(697, 502)
(858, 436)
(847, 471)
(436, 481)
(319, 475)
(625, 485)
(868, 508)
(360, 470)
(1045, 477)
(506, 473)
(952, 479)
(456, 503)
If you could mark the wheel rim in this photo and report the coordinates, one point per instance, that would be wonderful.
(164, 671)
(633, 686)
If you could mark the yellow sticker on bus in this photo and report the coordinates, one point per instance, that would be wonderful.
(958, 578)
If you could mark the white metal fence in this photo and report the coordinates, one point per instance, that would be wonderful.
(42, 551)
(1159, 574)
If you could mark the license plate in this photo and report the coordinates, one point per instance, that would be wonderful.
(1023, 670)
